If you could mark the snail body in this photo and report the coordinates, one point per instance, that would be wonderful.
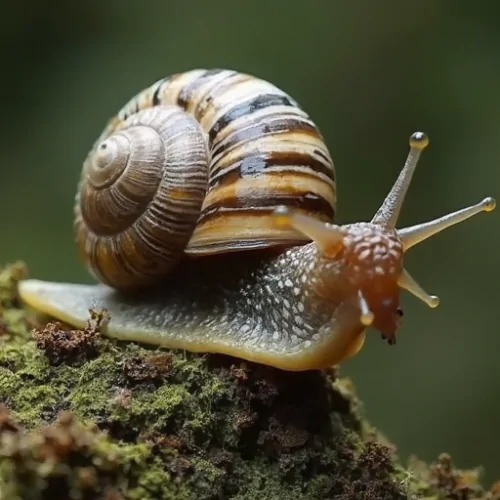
(206, 210)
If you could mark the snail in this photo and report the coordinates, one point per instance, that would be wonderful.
(205, 211)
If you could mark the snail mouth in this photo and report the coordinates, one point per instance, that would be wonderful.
(381, 311)
(390, 336)
(390, 339)
(387, 326)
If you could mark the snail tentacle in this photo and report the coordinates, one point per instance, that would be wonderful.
(413, 235)
(387, 215)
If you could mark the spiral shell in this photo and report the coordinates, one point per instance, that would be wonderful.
(140, 196)
(195, 164)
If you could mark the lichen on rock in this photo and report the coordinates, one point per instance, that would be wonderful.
(84, 416)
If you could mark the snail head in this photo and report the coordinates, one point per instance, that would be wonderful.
(371, 253)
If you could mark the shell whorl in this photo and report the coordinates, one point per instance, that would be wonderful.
(140, 196)
(254, 149)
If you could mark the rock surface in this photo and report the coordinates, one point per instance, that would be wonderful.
(85, 417)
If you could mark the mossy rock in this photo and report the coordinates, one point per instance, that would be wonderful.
(85, 417)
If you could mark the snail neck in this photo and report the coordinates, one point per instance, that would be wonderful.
(302, 284)
(300, 276)
(299, 305)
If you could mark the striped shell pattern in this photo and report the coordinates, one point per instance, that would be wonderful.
(194, 165)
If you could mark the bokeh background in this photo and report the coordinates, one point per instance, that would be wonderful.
(369, 73)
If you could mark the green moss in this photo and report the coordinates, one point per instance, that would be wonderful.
(150, 424)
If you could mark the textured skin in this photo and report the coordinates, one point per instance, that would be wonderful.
(273, 311)
(246, 147)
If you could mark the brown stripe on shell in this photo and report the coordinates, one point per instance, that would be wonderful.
(208, 96)
(258, 231)
(263, 201)
(192, 96)
(155, 99)
(201, 92)
(234, 91)
(189, 91)
(154, 95)
(274, 162)
(172, 88)
(275, 126)
(246, 108)
(285, 141)
(242, 202)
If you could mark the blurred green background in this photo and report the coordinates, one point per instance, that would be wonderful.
(369, 73)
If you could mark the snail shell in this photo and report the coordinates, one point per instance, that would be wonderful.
(195, 165)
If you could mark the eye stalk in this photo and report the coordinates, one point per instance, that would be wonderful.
(331, 238)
